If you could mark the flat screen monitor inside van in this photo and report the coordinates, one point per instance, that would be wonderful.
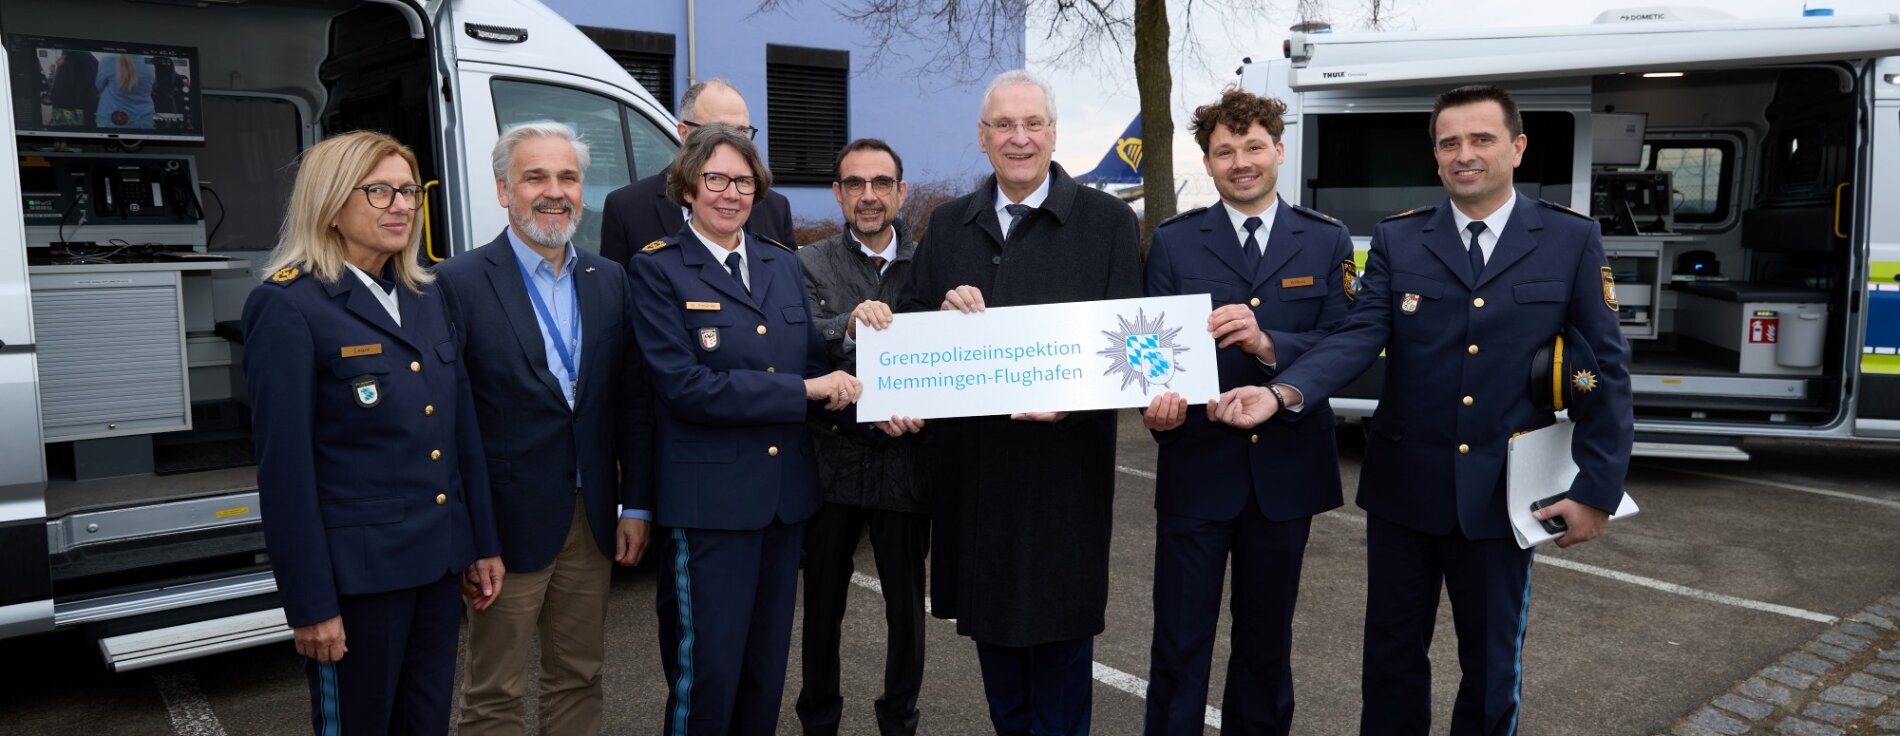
(1616, 138)
(78, 88)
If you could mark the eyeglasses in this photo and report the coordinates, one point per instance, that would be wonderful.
(749, 131)
(854, 186)
(1007, 126)
(719, 182)
(381, 196)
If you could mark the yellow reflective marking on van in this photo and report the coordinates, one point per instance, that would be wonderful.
(228, 513)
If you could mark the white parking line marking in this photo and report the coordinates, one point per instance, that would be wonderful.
(1137, 472)
(1784, 486)
(1652, 583)
(1103, 673)
(190, 712)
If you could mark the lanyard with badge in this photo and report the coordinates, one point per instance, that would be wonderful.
(561, 348)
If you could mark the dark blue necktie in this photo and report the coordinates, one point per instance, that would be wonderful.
(1476, 252)
(1016, 212)
(1250, 250)
(732, 264)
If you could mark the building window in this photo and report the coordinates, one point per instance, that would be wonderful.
(806, 111)
(647, 57)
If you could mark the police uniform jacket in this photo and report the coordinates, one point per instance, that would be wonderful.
(858, 465)
(1023, 510)
(728, 371)
(1458, 355)
(1301, 289)
(369, 463)
(535, 442)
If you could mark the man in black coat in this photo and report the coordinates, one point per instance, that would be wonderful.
(869, 478)
(639, 213)
(1022, 503)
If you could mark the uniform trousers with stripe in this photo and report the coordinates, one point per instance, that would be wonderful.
(400, 668)
(725, 604)
(1489, 583)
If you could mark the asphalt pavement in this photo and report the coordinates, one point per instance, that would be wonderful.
(1729, 568)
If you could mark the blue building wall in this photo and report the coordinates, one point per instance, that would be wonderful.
(930, 122)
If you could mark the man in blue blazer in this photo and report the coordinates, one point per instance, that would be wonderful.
(1462, 297)
(562, 401)
(640, 213)
(1280, 276)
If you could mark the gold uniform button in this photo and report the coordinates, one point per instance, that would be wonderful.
(441, 498)
(1255, 439)
(437, 454)
(1464, 449)
(773, 451)
(1478, 302)
(770, 369)
(415, 367)
(1255, 302)
(1473, 349)
(428, 411)
(761, 329)
(1467, 401)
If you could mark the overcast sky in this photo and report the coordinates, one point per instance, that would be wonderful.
(1096, 102)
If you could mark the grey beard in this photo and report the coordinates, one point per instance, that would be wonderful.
(556, 238)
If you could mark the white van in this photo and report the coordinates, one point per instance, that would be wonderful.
(155, 145)
(1743, 171)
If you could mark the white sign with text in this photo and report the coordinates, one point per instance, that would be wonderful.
(1076, 356)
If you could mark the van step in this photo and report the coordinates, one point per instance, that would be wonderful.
(198, 639)
(1688, 450)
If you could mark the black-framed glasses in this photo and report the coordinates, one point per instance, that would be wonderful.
(749, 131)
(854, 186)
(1007, 126)
(719, 182)
(381, 196)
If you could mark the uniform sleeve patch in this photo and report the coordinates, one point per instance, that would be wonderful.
(1349, 276)
(1609, 289)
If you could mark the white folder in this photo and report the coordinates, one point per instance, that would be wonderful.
(1539, 466)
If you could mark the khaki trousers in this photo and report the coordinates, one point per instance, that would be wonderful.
(566, 604)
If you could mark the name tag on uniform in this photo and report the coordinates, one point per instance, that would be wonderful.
(702, 306)
(1301, 281)
(351, 351)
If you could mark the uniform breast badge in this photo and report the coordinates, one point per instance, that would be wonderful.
(709, 339)
(1409, 304)
(367, 393)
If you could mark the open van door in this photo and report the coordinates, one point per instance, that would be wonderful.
(505, 73)
(26, 587)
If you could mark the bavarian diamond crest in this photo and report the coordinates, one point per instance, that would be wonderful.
(1143, 351)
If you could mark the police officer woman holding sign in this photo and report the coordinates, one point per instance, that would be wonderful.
(722, 320)
(370, 471)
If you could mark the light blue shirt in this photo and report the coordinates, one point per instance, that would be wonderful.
(557, 291)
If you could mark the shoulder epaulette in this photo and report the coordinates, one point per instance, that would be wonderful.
(1183, 215)
(656, 245)
(769, 241)
(1561, 208)
(286, 275)
(1409, 213)
(1317, 214)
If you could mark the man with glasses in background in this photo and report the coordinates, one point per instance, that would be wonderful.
(868, 477)
(639, 213)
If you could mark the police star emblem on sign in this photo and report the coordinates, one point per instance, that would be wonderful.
(1143, 351)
